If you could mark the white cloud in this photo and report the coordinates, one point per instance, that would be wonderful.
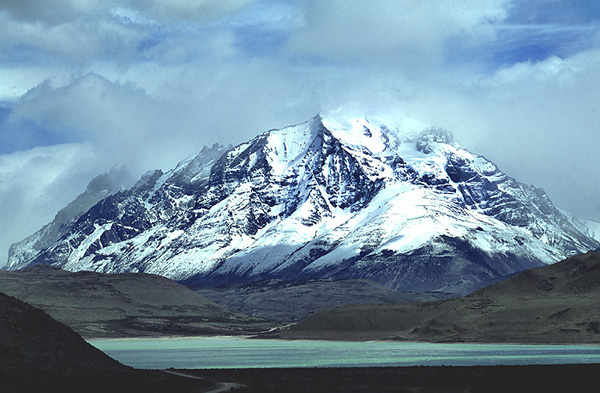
(406, 31)
(72, 35)
(120, 120)
(71, 44)
(185, 108)
(199, 10)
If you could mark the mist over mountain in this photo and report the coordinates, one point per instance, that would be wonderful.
(329, 198)
(100, 187)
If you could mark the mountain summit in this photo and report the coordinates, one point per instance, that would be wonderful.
(322, 199)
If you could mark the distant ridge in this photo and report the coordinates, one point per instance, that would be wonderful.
(550, 304)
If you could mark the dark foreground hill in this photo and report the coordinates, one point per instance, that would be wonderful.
(31, 338)
(119, 305)
(552, 304)
(39, 354)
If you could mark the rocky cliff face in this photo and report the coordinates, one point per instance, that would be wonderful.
(322, 199)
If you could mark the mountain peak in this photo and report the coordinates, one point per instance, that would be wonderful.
(116, 179)
(431, 136)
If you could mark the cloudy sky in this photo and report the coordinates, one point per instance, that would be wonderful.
(88, 85)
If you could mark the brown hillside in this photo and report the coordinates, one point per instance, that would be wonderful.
(117, 305)
(559, 303)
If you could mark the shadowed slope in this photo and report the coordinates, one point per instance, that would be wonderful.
(30, 338)
(39, 354)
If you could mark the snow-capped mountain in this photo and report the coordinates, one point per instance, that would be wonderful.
(328, 199)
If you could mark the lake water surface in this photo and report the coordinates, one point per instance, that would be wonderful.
(227, 352)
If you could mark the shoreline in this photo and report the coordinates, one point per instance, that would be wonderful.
(165, 338)
(255, 337)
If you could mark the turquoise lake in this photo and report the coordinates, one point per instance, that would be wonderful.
(226, 352)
